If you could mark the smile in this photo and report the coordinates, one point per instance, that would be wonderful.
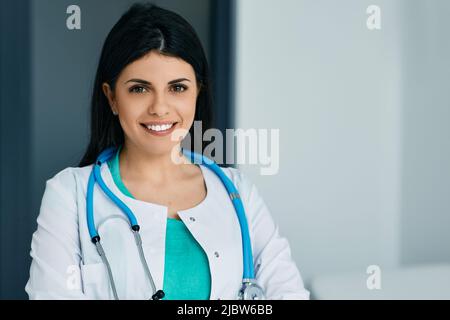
(159, 129)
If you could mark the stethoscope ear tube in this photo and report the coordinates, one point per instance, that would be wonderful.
(138, 240)
(102, 254)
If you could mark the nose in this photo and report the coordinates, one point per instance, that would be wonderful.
(159, 105)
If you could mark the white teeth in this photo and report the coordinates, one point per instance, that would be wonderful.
(160, 128)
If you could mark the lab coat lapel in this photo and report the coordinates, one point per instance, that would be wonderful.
(215, 226)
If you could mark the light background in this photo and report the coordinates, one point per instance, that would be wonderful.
(364, 126)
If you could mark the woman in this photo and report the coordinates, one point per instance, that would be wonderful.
(152, 80)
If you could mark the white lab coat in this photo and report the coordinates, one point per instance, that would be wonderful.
(66, 264)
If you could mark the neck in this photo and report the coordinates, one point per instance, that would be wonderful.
(137, 165)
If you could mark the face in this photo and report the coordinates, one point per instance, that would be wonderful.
(153, 97)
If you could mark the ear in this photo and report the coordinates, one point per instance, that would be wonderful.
(110, 96)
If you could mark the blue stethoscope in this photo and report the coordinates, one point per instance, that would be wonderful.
(250, 290)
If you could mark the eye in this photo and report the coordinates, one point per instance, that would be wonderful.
(179, 88)
(137, 89)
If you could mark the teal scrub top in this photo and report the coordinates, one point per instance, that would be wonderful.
(186, 269)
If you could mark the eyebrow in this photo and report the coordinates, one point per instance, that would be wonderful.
(141, 81)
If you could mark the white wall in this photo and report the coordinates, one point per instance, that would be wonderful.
(314, 70)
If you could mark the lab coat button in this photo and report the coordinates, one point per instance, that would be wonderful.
(216, 254)
(192, 219)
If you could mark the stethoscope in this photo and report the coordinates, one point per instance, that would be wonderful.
(250, 290)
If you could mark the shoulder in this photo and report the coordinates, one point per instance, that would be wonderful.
(239, 179)
(71, 174)
(246, 188)
(67, 179)
(255, 206)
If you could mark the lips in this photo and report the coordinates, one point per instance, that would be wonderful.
(158, 122)
(159, 128)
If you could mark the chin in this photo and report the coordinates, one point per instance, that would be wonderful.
(160, 149)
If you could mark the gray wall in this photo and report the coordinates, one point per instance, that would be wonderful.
(425, 215)
(15, 173)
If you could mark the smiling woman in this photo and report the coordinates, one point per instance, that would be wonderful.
(201, 228)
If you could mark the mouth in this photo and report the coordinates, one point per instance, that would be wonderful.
(161, 129)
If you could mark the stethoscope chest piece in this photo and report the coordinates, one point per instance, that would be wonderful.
(251, 291)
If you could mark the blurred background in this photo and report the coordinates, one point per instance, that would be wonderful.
(364, 175)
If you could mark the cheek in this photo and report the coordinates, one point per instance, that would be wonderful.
(128, 118)
(186, 109)
(130, 107)
(129, 114)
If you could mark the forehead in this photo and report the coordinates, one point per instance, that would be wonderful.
(156, 67)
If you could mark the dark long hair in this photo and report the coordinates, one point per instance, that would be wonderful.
(144, 27)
